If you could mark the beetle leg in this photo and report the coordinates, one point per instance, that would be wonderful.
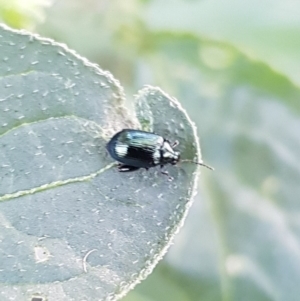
(126, 168)
(175, 143)
(167, 174)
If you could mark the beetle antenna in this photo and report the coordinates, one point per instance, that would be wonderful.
(198, 163)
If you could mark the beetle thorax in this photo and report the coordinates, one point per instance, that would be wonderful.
(168, 155)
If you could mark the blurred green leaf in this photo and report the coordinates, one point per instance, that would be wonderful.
(264, 30)
(23, 14)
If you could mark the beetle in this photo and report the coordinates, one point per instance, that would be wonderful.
(135, 149)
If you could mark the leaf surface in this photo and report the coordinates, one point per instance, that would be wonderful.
(71, 226)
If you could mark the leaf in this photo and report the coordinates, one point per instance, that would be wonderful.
(20, 14)
(71, 226)
(271, 35)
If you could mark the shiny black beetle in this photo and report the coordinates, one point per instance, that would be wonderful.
(136, 149)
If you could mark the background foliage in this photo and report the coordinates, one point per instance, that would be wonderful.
(234, 66)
